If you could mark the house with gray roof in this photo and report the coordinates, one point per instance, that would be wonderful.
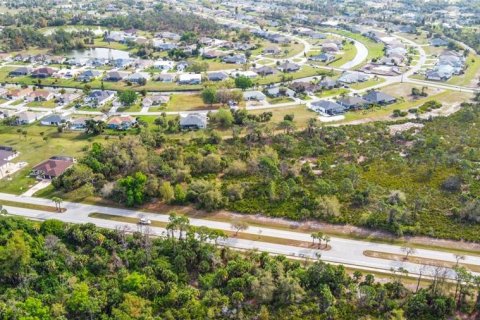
(288, 67)
(254, 95)
(353, 102)
(193, 121)
(349, 77)
(21, 71)
(53, 120)
(327, 107)
(217, 76)
(378, 97)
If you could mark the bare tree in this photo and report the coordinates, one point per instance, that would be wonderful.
(239, 225)
(458, 257)
(408, 250)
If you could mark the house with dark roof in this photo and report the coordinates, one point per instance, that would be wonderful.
(21, 71)
(288, 67)
(265, 71)
(115, 76)
(166, 77)
(88, 75)
(378, 97)
(52, 167)
(43, 72)
(53, 120)
(353, 102)
(327, 107)
(322, 57)
(254, 95)
(99, 97)
(217, 76)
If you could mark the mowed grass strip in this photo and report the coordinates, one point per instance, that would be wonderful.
(419, 260)
(29, 206)
(230, 234)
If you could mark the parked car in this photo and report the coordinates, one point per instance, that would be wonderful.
(144, 221)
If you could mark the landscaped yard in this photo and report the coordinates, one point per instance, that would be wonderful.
(331, 92)
(366, 84)
(279, 100)
(33, 149)
(42, 104)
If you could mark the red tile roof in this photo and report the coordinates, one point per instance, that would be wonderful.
(53, 167)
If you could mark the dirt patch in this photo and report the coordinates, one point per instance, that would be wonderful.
(396, 128)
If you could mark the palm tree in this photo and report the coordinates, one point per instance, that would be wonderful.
(327, 240)
(58, 203)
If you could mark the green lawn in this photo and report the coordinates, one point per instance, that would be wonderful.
(279, 100)
(349, 53)
(305, 71)
(33, 149)
(366, 84)
(331, 92)
(136, 107)
(42, 104)
(185, 102)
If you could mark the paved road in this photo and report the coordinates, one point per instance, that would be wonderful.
(361, 56)
(344, 251)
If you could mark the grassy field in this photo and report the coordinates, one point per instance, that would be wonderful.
(42, 104)
(300, 112)
(279, 100)
(366, 84)
(33, 149)
(349, 53)
(305, 71)
(331, 92)
(185, 102)
(28, 206)
(447, 97)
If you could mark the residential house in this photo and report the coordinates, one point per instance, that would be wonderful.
(236, 59)
(353, 102)
(438, 42)
(6, 155)
(122, 63)
(25, 117)
(164, 46)
(193, 121)
(121, 122)
(155, 100)
(188, 78)
(163, 65)
(78, 124)
(378, 97)
(52, 168)
(165, 77)
(53, 120)
(40, 95)
(115, 76)
(88, 75)
(288, 67)
(330, 47)
(254, 95)
(21, 71)
(99, 97)
(43, 72)
(265, 71)
(328, 83)
(17, 93)
(349, 77)
(327, 107)
(217, 76)
(137, 77)
(272, 50)
(304, 87)
(181, 66)
(276, 92)
(249, 74)
(322, 57)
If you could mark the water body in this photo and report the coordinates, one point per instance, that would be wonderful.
(100, 53)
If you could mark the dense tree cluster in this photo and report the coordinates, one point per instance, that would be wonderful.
(57, 271)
